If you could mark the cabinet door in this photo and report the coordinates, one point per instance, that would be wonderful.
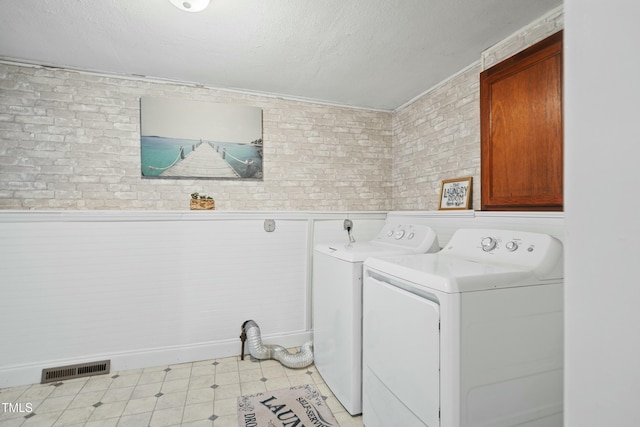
(522, 130)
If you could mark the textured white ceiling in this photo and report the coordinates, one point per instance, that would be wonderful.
(366, 53)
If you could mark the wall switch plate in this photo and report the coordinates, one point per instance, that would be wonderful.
(269, 225)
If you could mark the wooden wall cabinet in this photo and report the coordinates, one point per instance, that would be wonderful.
(522, 130)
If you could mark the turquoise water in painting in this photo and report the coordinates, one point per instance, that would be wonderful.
(242, 152)
(159, 153)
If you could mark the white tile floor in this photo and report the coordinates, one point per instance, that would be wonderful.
(190, 395)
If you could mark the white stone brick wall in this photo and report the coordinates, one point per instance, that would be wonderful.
(434, 138)
(437, 136)
(70, 140)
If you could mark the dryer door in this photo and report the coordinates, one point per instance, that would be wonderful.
(401, 357)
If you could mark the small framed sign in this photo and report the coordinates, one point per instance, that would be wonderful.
(455, 194)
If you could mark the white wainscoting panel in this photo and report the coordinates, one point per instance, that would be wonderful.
(152, 288)
(145, 289)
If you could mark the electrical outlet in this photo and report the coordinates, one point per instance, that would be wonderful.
(348, 224)
(269, 225)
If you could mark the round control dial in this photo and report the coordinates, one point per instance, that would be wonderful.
(488, 244)
(399, 234)
(511, 246)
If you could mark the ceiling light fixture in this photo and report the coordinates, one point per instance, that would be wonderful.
(190, 5)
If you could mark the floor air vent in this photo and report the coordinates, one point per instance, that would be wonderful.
(75, 371)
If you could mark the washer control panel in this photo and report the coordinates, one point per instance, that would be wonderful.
(410, 236)
(535, 251)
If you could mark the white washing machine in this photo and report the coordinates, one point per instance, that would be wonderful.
(337, 303)
(469, 336)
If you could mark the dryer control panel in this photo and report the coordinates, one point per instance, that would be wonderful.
(540, 253)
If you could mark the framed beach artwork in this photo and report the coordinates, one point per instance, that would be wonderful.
(184, 139)
(455, 194)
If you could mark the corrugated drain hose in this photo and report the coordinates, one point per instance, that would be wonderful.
(251, 332)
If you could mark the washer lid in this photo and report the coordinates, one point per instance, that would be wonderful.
(359, 251)
(393, 239)
(450, 274)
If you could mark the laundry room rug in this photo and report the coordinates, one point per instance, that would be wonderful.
(296, 406)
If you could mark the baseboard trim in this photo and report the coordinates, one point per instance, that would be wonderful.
(18, 375)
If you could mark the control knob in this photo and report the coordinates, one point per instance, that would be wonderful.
(511, 246)
(399, 234)
(488, 244)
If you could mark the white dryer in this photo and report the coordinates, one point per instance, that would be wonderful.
(469, 336)
(337, 303)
